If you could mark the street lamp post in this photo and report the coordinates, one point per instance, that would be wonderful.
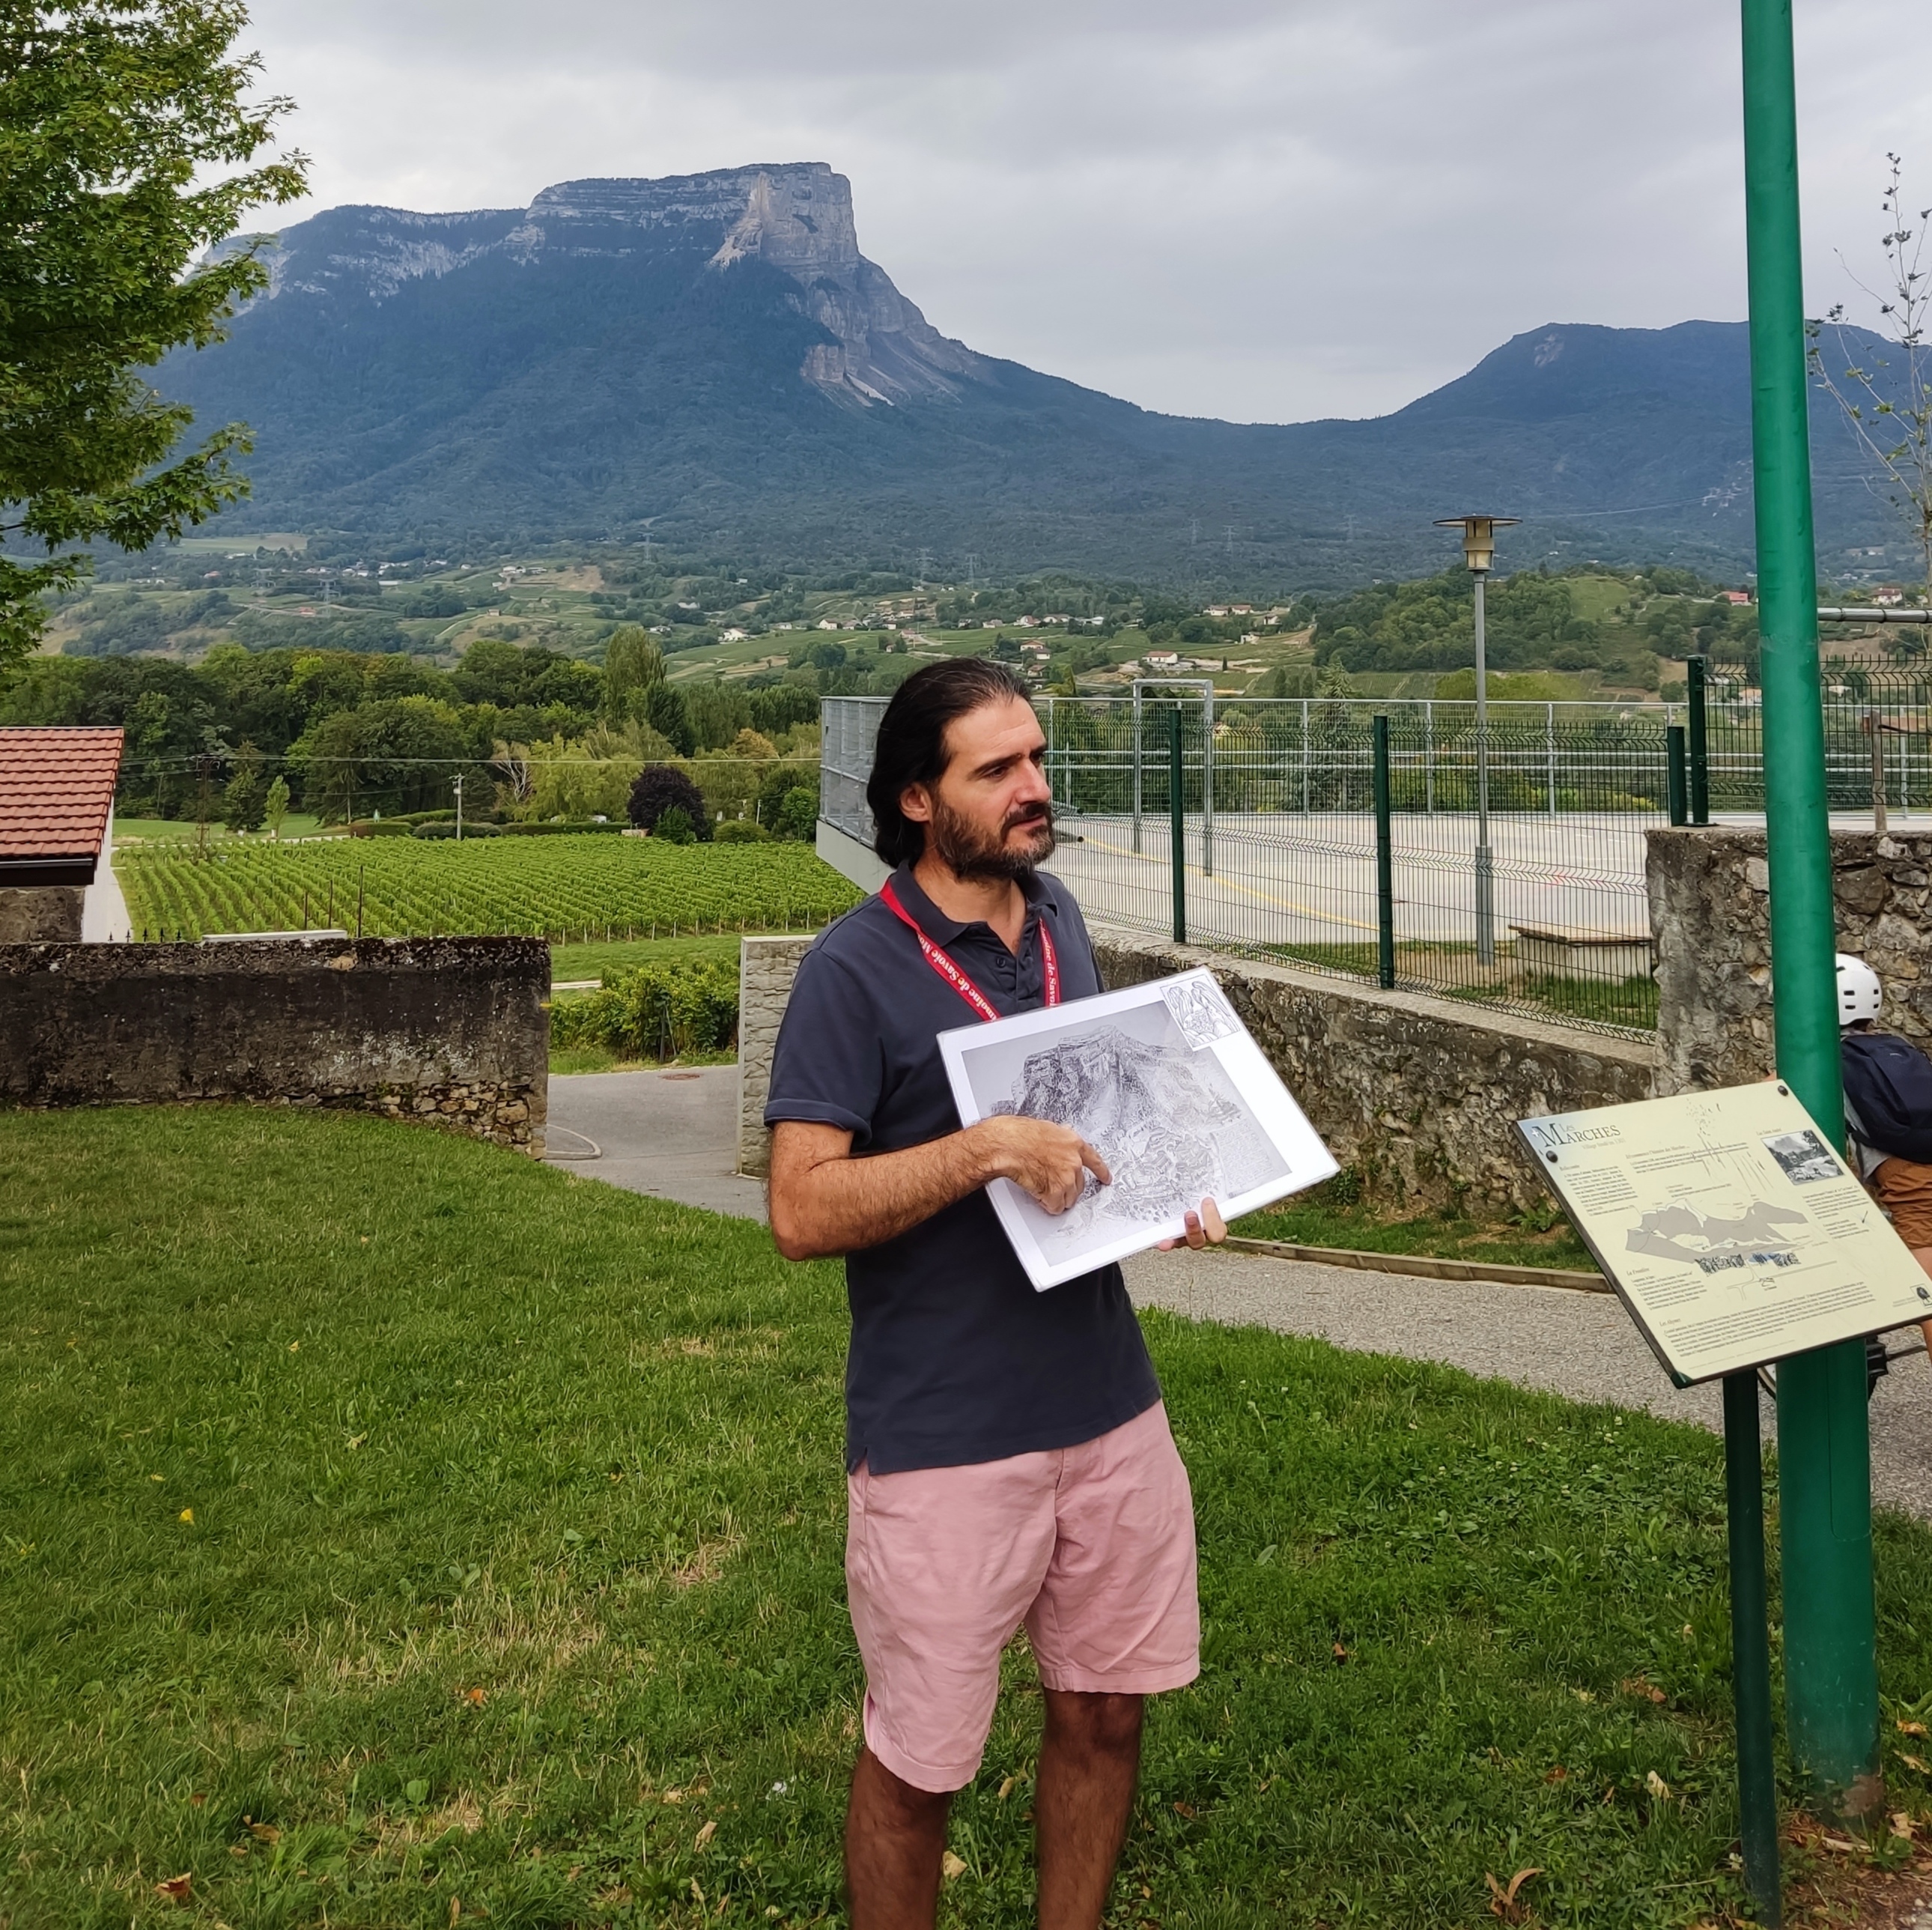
(1479, 551)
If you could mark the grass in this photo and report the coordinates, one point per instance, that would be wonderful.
(396, 1532)
(175, 830)
(1326, 1217)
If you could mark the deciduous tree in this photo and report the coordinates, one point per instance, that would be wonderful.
(127, 133)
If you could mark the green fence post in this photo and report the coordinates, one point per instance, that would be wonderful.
(1700, 746)
(1751, 1648)
(1824, 1458)
(1176, 826)
(1384, 864)
(1674, 793)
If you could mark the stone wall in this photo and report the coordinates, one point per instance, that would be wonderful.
(449, 1032)
(765, 969)
(1420, 1096)
(41, 913)
(1710, 911)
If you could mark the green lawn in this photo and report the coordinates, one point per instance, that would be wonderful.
(1322, 1218)
(387, 1521)
(172, 830)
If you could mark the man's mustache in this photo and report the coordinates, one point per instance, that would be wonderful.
(1028, 814)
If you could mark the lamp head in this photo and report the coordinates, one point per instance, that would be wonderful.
(1479, 536)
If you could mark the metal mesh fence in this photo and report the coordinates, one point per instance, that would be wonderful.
(1278, 830)
(1878, 738)
(1278, 834)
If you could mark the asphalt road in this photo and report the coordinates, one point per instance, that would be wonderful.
(672, 1134)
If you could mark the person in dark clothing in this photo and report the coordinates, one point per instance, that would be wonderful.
(1008, 1457)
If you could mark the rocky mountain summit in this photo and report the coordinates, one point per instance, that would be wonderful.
(709, 358)
(795, 218)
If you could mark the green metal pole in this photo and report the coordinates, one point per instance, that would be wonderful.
(1675, 795)
(1695, 691)
(1176, 826)
(1750, 1649)
(1384, 864)
(1824, 1458)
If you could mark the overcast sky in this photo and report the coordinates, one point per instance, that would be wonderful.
(1213, 207)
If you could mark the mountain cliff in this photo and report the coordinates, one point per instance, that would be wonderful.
(710, 358)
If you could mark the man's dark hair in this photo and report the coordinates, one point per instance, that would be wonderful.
(911, 747)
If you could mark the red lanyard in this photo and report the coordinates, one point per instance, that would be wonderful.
(1049, 959)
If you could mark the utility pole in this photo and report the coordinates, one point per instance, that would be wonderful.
(1824, 1444)
(457, 784)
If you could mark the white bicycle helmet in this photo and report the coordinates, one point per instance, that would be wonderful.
(1860, 994)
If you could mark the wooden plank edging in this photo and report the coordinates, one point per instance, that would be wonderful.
(1423, 1266)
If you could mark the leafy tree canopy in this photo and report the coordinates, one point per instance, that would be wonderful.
(660, 791)
(122, 123)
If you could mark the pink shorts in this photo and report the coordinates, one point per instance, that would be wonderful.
(1092, 1547)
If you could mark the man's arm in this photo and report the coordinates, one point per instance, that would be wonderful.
(823, 1202)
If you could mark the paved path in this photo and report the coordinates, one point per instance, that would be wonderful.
(672, 1134)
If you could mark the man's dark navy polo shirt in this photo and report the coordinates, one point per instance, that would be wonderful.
(955, 1357)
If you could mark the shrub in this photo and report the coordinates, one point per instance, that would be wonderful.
(655, 1011)
(381, 827)
(658, 789)
(564, 827)
(741, 831)
(439, 827)
(674, 826)
(798, 815)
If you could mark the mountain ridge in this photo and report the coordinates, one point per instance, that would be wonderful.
(711, 358)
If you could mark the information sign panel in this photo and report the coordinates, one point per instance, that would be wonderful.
(1733, 1232)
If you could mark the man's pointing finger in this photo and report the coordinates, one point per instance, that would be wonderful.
(1095, 1164)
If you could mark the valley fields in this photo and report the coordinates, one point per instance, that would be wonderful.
(591, 887)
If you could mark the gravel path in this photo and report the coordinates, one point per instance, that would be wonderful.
(673, 1135)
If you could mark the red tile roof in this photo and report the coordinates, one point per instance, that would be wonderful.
(56, 789)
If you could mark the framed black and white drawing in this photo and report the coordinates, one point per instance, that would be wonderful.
(1165, 1083)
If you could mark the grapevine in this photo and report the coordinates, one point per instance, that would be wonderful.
(561, 888)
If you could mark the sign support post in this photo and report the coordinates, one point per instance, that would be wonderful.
(1751, 1648)
(1831, 1669)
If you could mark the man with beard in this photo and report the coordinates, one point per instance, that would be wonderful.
(1008, 1458)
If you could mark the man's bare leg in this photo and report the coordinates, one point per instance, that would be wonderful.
(895, 1837)
(1089, 1759)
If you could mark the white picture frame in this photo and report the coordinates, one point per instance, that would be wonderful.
(1164, 1080)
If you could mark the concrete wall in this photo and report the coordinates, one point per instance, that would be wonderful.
(41, 913)
(452, 1032)
(765, 969)
(1420, 1095)
(1710, 909)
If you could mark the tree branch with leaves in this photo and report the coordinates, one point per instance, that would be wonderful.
(128, 133)
(1888, 404)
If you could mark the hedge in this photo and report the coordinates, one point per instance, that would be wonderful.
(655, 1011)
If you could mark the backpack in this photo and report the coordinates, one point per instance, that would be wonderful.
(1888, 1084)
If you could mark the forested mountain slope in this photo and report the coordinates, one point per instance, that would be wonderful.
(711, 359)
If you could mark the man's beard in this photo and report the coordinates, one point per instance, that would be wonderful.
(968, 852)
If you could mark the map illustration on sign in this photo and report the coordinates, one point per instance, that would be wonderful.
(1713, 1243)
(1732, 1232)
(1165, 1083)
